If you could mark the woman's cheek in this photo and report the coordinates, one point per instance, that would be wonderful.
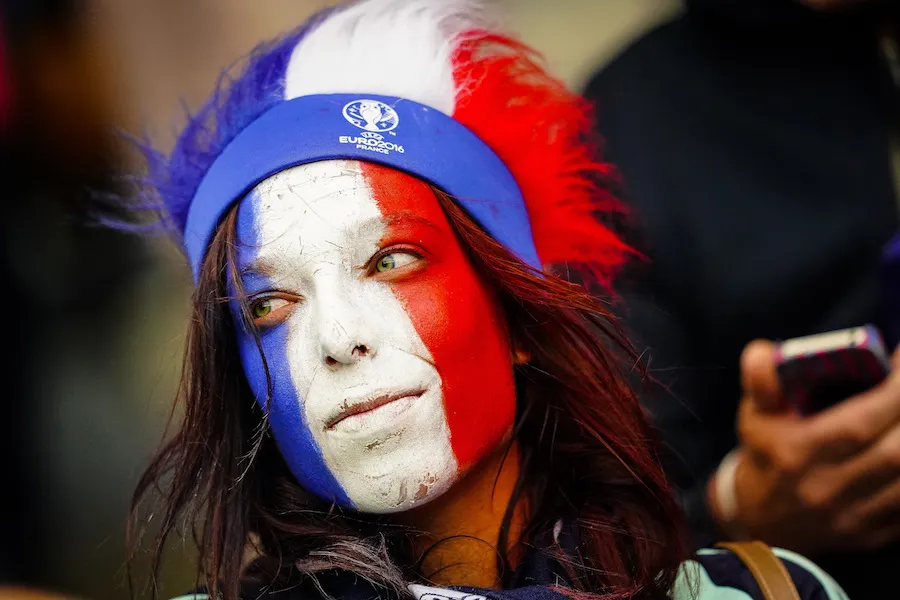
(450, 312)
(427, 306)
(456, 317)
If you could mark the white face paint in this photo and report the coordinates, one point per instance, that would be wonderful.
(350, 345)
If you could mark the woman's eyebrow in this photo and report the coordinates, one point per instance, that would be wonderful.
(408, 216)
(256, 271)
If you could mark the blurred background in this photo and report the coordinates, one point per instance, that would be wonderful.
(96, 350)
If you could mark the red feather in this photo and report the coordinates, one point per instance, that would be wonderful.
(544, 133)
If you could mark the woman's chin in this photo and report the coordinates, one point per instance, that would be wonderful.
(405, 494)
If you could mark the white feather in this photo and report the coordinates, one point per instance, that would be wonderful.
(397, 48)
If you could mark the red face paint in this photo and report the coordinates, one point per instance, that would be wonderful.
(454, 314)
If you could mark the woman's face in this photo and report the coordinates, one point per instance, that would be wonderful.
(390, 364)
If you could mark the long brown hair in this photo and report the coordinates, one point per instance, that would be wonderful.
(588, 454)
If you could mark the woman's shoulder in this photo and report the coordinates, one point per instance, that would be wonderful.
(713, 574)
(717, 574)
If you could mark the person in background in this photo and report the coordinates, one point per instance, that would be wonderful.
(755, 141)
(55, 143)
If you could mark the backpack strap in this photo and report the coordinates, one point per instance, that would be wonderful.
(770, 573)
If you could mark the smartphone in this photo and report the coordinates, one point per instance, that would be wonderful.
(819, 371)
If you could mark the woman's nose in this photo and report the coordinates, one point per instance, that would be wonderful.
(344, 337)
(338, 357)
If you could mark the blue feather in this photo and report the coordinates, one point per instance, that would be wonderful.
(240, 96)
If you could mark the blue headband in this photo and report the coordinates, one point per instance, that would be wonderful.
(402, 134)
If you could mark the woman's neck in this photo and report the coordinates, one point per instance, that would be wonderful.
(461, 529)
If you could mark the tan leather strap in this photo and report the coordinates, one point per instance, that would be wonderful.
(768, 570)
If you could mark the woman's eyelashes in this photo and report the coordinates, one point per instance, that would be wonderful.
(268, 311)
(394, 262)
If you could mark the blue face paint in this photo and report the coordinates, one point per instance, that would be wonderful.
(286, 414)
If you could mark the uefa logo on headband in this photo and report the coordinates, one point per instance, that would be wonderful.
(371, 115)
(375, 118)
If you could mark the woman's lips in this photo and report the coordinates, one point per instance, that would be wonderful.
(368, 404)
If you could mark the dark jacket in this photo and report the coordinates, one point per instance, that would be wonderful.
(712, 575)
(753, 138)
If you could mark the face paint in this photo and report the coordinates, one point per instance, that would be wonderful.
(455, 316)
(391, 371)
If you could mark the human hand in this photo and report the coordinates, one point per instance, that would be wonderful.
(823, 482)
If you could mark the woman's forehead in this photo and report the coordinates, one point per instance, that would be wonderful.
(337, 203)
(332, 193)
(305, 187)
(354, 188)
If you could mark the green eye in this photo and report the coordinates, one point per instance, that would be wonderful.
(268, 311)
(386, 263)
(394, 260)
(261, 308)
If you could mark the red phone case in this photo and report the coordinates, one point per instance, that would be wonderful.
(821, 370)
